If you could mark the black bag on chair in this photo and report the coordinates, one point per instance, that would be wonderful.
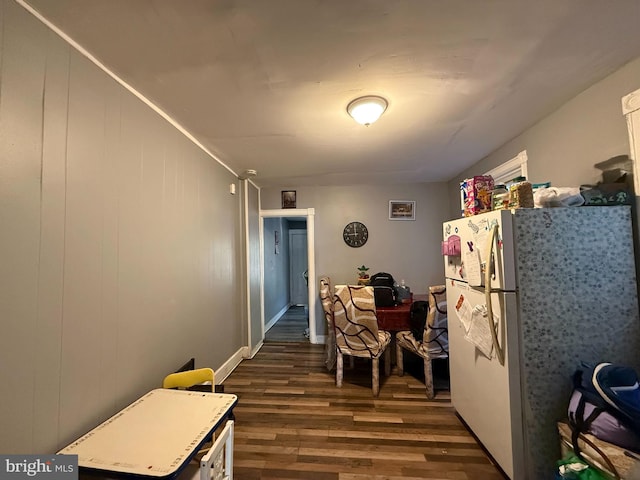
(384, 290)
(418, 318)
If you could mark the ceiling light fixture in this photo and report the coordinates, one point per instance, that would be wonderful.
(366, 110)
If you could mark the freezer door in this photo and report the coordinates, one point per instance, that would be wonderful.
(484, 393)
(474, 235)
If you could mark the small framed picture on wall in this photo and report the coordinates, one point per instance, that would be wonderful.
(288, 199)
(402, 210)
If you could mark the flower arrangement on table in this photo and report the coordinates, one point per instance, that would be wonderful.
(363, 276)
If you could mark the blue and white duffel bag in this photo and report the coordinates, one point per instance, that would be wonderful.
(606, 403)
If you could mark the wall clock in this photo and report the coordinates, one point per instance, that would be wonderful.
(355, 234)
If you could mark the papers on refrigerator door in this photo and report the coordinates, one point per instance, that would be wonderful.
(473, 245)
(475, 324)
(479, 333)
(463, 310)
(473, 267)
(481, 237)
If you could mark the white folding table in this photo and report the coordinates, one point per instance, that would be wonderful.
(155, 436)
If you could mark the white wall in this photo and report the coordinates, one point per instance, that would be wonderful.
(564, 147)
(119, 247)
(409, 250)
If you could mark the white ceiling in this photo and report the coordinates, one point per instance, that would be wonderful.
(264, 84)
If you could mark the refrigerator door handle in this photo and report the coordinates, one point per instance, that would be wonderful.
(488, 272)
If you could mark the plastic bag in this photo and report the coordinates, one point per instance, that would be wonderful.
(572, 467)
(558, 197)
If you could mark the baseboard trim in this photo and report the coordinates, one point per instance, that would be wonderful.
(275, 318)
(256, 349)
(230, 365)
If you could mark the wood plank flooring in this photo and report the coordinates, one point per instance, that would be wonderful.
(292, 422)
(290, 327)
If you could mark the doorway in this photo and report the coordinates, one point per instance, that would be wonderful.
(303, 277)
(286, 297)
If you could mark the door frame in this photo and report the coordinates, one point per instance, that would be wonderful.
(309, 214)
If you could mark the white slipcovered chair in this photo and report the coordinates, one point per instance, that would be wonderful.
(356, 331)
(435, 338)
(326, 298)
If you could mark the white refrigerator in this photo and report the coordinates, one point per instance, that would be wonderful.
(560, 287)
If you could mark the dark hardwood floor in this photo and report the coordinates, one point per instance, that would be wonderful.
(290, 327)
(293, 423)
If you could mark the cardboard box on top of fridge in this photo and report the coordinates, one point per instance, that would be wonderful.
(476, 194)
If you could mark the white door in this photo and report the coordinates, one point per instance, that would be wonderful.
(298, 267)
(485, 393)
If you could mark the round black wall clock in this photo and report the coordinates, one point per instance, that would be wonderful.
(355, 234)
